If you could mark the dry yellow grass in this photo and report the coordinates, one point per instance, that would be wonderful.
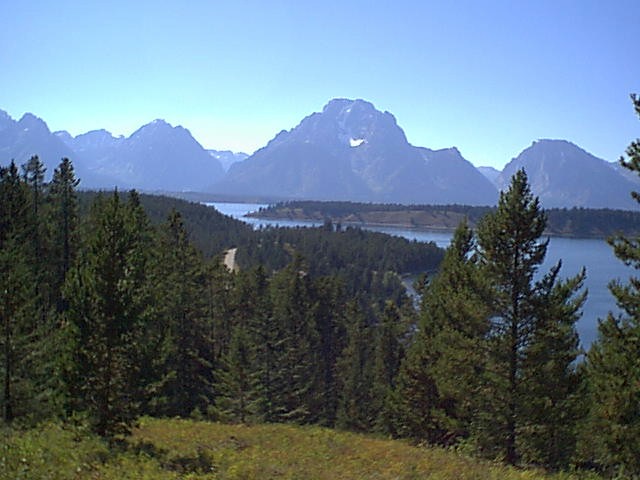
(292, 452)
(162, 449)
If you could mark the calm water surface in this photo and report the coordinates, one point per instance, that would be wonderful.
(595, 255)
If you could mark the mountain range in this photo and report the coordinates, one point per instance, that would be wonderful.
(348, 151)
(351, 151)
(157, 156)
(29, 136)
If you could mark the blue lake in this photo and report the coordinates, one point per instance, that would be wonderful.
(595, 255)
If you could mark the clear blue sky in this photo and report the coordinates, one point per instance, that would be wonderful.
(486, 76)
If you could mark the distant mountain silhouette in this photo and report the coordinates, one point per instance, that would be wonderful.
(157, 156)
(20, 140)
(351, 151)
(348, 151)
(564, 175)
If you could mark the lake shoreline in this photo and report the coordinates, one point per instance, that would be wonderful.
(345, 222)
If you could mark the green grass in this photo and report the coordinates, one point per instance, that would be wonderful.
(186, 449)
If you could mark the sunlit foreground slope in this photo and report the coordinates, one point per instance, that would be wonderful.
(172, 449)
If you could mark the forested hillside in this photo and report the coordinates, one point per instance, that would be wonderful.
(365, 262)
(209, 230)
(129, 317)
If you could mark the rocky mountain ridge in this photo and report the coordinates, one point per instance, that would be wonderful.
(347, 151)
(562, 174)
(351, 151)
(21, 139)
(157, 156)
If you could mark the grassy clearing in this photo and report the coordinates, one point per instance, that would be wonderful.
(185, 449)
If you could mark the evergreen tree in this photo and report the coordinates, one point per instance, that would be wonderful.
(181, 326)
(220, 307)
(613, 363)
(106, 312)
(553, 384)
(53, 221)
(142, 250)
(388, 353)
(254, 310)
(511, 252)
(33, 175)
(17, 314)
(237, 399)
(440, 378)
(355, 372)
(16, 294)
(296, 374)
(30, 339)
(33, 172)
(63, 203)
(456, 309)
(330, 322)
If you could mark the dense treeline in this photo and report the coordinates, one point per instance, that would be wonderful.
(364, 261)
(111, 313)
(210, 231)
(108, 317)
(368, 263)
(573, 222)
(337, 209)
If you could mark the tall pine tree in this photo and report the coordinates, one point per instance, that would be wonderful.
(238, 397)
(186, 350)
(387, 355)
(552, 380)
(355, 372)
(63, 203)
(253, 312)
(330, 323)
(440, 378)
(33, 172)
(107, 311)
(511, 252)
(296, 376)
(17, 297)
